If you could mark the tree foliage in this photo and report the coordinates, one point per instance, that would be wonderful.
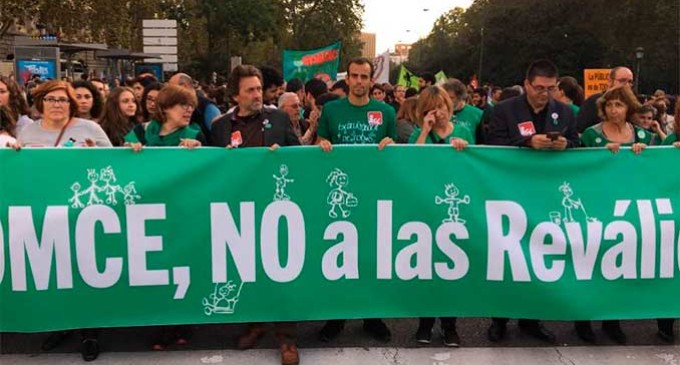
(575, 34)
(211, 31)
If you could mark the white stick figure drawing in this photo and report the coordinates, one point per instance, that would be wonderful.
(570, 204)
(281, 182)
(93, 189)
(452, 199)
(130, 194)
(75, 200)
(107, 176)
(338, 198)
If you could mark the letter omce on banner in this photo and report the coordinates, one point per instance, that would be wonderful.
(107, 237)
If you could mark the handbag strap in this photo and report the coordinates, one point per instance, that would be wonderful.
(62, 131)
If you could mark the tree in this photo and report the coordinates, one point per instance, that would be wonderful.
(517, 32)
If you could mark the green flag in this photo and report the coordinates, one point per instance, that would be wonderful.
(440, 77)
(319, 63)
(408, 78)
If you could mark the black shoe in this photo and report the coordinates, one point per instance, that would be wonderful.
(537, 331)
(378, 330)
(424, 336)
(585, 331)
(450, 337)
(666, 336)
(614, 332)
(55, 339)
(331, 330)
(496, 332)
(89, 349)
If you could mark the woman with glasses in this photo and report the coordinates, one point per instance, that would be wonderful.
(90, 102)
(59, 126)
(119, 115)
(171, 125)
(12, 98)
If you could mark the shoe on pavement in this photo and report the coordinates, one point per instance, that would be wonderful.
(450, 337)
(585, 331)
(89, 349)
(496, 332)
(331, 330)
(537, 331)
(377, 329)
(289, 355)
(424, 336)
(249, 339)
(613, 330)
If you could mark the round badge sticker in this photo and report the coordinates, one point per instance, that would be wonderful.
(641, 134)
(598, 140)
(555, 115)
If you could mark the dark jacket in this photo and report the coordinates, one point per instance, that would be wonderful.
(588, 116)
(504, 128)
(281, 132)
(198, 116)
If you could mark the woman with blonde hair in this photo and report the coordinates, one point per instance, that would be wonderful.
(434, 109)
(433, 116)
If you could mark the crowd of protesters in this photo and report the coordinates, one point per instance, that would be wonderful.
(547, 112)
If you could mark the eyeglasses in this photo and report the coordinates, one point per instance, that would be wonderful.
(542, 89)
(186, 106)
(51, 100)
(624, 81)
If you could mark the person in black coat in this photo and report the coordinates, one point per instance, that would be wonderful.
(535, 121)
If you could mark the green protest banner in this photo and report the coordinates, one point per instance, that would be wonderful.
(319, 63)
(107, 237)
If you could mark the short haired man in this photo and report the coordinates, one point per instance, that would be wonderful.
(357, 119)
(289, 103)
(588, 116)
(426, 79)
(206, 110)
(536, 121)
(340, 89)
(272, 85)
(464, 115)
(253, 125)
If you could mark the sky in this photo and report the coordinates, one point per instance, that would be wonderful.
(404, 21)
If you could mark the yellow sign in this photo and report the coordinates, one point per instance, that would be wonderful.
(595, 81)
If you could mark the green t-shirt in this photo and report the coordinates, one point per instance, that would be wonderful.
(152, 137)
(434, 138)
(344, 123)
(670, 139)
(468, 117)
(575, 108)
(593, 137)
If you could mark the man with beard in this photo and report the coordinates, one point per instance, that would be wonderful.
(357, 119)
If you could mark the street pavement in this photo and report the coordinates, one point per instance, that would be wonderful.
(214, 344)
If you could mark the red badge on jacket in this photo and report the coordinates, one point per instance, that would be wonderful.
(526, 129)
(236, 139)
(375, 118)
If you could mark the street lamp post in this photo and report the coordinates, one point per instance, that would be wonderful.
(639, 54)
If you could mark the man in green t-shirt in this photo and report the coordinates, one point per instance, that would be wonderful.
(464, 115)
(357, 119)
